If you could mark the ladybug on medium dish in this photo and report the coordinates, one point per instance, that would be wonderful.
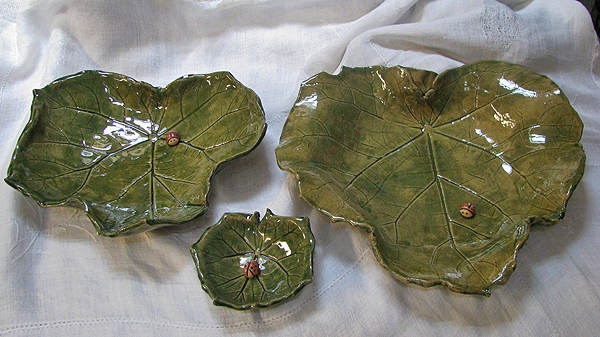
(251, 269)
(467, 210)
(173, 138)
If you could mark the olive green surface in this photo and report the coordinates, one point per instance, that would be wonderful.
(97, 140)
(398, 151)
(282, 246)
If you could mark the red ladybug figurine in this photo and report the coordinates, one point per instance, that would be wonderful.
(251, 269)
(173, 138)
(467, 210)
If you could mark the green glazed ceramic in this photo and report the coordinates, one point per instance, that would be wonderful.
(279, 248)
(446, 172)
(135, 156)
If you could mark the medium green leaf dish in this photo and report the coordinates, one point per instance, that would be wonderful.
(99, 140)
(411, 155)
(280, 247)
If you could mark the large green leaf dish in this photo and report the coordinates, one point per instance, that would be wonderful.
(98, 139)
(398, 151)
(281, 247)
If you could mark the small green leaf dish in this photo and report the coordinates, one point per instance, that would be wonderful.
(136, 157)
(446, 172)
(280, 248)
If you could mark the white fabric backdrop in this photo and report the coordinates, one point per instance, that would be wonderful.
(58, 278)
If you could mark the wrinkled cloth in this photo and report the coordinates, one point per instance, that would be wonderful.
(58, 278)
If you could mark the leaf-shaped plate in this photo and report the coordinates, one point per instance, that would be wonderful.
(100, 139)
(399, 150)
(281, 248)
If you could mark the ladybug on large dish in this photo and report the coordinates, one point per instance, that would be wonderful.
(467, 210)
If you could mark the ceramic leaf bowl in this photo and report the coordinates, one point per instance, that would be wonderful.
(244, 262)
(134, 156)
(446, 172)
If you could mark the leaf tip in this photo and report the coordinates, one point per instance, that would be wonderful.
(255, 217)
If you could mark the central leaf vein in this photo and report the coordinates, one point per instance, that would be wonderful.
(444, 207)
(378, 160)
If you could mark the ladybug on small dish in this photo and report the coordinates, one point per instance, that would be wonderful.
(251, 269)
